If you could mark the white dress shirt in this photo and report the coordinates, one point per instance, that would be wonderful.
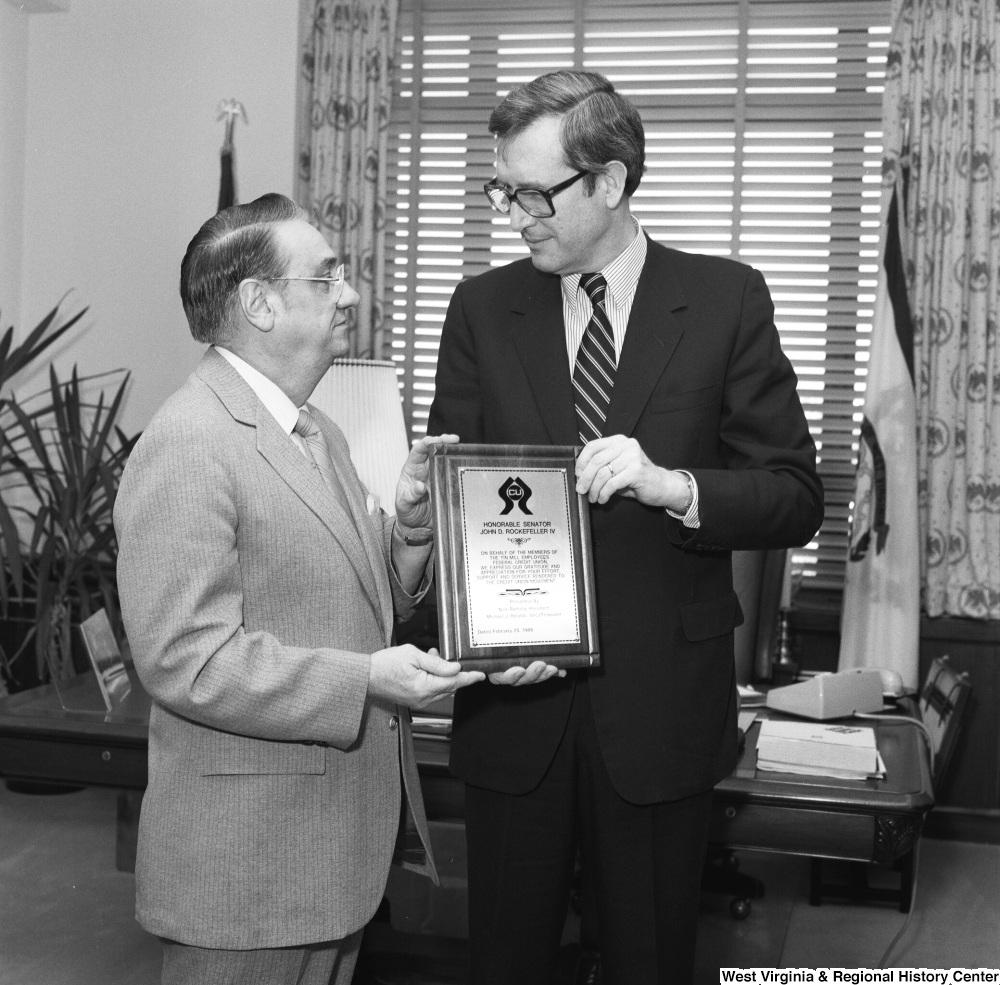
(286, 414)
(622, 276)
(270, 395)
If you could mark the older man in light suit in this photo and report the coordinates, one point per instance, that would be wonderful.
(258, 586)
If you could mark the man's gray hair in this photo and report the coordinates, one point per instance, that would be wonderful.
(598, 126)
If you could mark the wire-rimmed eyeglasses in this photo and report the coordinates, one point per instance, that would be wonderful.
(534, 201)
(334, 284)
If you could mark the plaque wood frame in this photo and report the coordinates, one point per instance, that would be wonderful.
(556, 465)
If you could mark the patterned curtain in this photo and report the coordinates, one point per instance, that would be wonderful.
(942, 132)
(347, 65)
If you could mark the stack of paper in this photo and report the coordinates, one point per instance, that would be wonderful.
(818, 749)
(750, 697)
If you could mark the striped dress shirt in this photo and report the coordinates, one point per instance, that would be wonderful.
(622, 275)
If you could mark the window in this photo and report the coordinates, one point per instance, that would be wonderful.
(763, 144)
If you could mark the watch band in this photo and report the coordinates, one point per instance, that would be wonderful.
(416, 539)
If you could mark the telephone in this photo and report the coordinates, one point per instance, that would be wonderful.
(835, 695)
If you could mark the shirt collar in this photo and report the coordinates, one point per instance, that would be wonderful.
(268, 392)
(622, 274)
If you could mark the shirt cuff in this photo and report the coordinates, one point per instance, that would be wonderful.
(690, 518)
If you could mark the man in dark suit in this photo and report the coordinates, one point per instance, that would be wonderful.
(667, 366)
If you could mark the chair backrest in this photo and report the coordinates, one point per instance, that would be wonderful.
(757, 577)
(362, 397)
(942, 702)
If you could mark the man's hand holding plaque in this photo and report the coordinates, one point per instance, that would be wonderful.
(534, 673)
(617, 465)
(414, 512)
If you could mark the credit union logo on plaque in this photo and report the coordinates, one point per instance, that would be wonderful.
(515, 491)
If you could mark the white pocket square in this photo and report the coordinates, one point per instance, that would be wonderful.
(372, 504)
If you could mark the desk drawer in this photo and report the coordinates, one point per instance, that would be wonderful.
(793, 831)
(101, 764)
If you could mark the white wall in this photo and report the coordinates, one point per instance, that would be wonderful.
(13, 91)
(122, 165)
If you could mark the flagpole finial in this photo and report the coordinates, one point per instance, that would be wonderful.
(229, 110)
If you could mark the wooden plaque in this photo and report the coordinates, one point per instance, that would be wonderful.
(514, 564)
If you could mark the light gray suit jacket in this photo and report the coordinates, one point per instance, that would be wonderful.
(252, 603)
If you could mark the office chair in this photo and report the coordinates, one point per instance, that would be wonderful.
(757, 578)
(940, 706)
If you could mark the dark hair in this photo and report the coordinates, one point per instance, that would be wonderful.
(234, 244)
(598, 124)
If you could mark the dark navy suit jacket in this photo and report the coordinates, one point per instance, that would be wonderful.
(703, 385)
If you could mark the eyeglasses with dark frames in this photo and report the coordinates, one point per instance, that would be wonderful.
(534, 201)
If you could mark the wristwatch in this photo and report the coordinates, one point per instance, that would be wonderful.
(420, 537)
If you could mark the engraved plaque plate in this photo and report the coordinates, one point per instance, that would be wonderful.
(514, 565)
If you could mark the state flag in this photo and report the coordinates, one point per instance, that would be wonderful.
(880, 618)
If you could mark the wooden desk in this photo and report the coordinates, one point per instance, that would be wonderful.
(42, 740)
(864, 820)
(870, 820)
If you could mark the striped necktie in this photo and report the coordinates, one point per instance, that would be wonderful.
(319, 452)
(594, 375)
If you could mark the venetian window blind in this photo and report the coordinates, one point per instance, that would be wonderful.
(763, 144)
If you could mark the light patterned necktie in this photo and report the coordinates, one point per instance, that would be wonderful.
(319, 452)
(594, 375)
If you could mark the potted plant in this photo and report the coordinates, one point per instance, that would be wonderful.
(13, 360)
(61, 459)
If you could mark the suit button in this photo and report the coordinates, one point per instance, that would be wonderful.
(393, 722)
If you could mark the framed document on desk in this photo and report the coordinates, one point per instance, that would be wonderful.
(514, 565)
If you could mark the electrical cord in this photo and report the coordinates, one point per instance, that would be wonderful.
(884, 960)
(905, 720)
(929, 739)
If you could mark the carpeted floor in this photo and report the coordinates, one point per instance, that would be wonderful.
(66, 914)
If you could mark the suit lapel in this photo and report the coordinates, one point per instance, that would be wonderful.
(363, 524)
(539, 335)
(278, 449)
(650, 340)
